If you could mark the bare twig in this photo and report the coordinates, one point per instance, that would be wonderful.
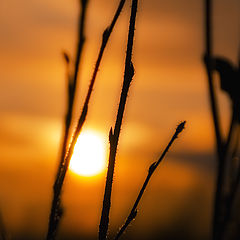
(151, 170)
(72, 81)
(83, 115)
(56, 211)
(233, 125)
(114, 135)
(56, 208)
(105, 38)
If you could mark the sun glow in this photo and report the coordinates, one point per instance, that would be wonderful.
(89, 156)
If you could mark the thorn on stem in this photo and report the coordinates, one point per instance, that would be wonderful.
(133, 215)
(66, 57)
(111, 135)
(152, 167)
(105, 35)
(132, 71)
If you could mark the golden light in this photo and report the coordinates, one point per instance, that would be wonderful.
(89, 156)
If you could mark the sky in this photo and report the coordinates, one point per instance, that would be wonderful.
(169, 86)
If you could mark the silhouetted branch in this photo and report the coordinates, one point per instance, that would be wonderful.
(114, 135)
(105, 37)
(230, 132)
(56, 208)
(83, 115)
(235, 175)
(214, 108)
(151, 170)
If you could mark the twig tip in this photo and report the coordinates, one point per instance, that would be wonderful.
(105, 35)
(180, 127)
(152, 167)
(132, 70)
(110, 135)
(66, 57)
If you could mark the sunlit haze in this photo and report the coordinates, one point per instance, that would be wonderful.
(169, 85)
(89, 157)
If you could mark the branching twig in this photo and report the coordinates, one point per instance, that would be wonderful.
(114, 135)
(72, 82)
(83, 115)
(56, 210)
(151, 170)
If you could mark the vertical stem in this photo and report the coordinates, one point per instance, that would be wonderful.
(72, 82)
(235, 175)
(114, 136)
(105, 38)
(214, 108)
(212, 94)
(56, 208)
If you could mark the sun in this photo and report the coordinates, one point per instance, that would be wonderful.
(89, 155)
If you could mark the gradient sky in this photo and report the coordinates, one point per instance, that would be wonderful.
(169, 86)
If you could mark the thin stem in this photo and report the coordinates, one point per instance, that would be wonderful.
(83, 115)
(114, 136)
(56, 209)
(105, 38)
(230, 133)
(68, 117)
(214, 108)
(212, 94)
(72, 82)
(234, 187)
(151, 170)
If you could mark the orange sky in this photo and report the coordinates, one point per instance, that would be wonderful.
(169, 86)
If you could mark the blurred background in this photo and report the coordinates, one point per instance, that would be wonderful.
(170, 85)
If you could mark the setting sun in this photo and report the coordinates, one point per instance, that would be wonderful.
(89, 156)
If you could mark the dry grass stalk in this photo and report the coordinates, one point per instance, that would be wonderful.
(235, 182)
(83, 115)
(56, 210)
(151, 170)
(72, 81)
(228, 76)
(114, 135)
(215, 114)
